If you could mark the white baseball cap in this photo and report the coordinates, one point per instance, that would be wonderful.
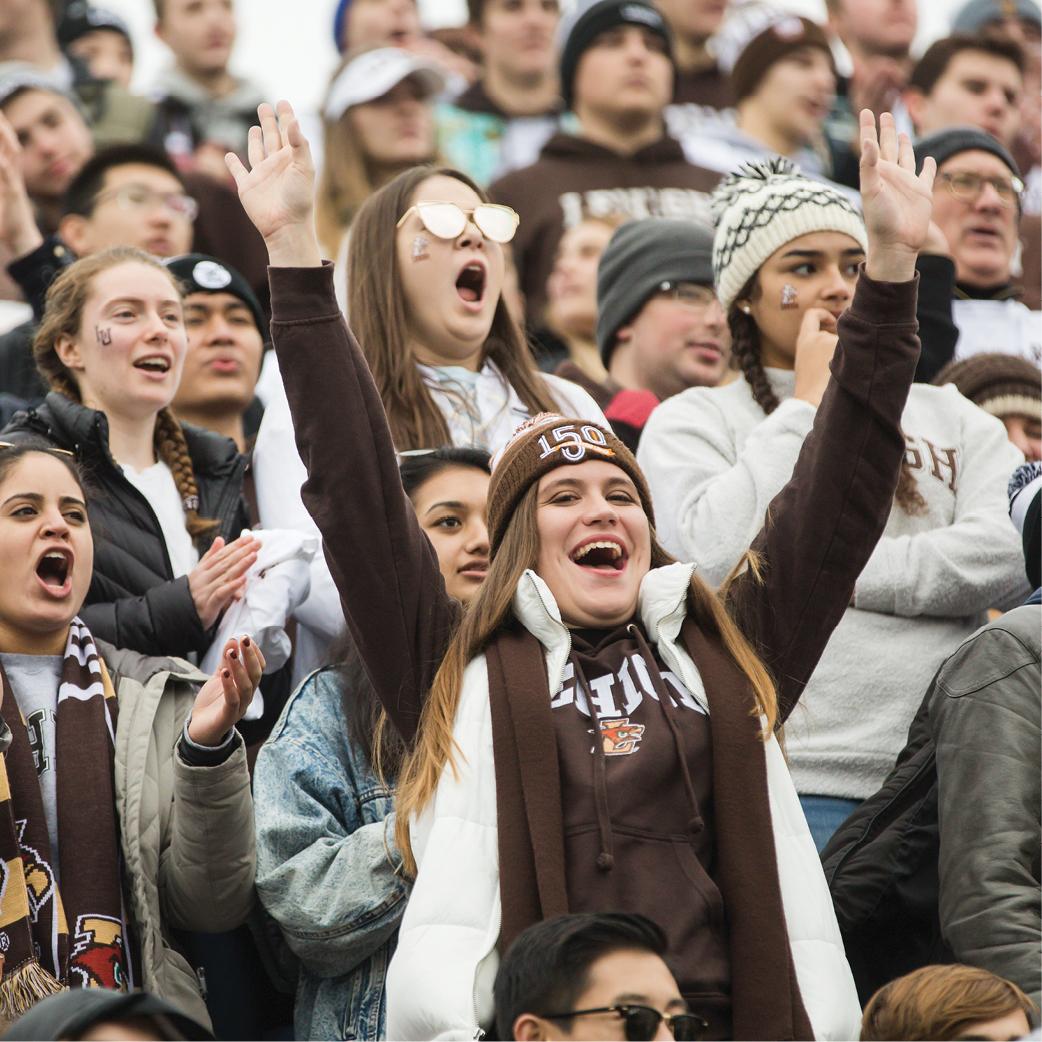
(374, 73)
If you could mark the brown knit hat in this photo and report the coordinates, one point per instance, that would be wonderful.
(778, 40)
(1003, 385)
(544, 443)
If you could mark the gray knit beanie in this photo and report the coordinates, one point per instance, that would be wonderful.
(639, 258)
(760, 208)
(943, 144)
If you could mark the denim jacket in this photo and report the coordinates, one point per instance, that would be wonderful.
(326, 865)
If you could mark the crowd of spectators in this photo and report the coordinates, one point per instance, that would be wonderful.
(563, 565)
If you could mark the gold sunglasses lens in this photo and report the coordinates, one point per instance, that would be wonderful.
(498, 223)
(445, 220)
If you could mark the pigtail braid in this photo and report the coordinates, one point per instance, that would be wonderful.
(745, 351)
(172, 449)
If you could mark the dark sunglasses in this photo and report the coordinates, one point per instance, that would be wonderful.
(641, 1022)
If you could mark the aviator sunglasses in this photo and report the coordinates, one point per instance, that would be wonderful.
(641, 1022)
(447, 220)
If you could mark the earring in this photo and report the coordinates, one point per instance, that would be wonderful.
(745, 309)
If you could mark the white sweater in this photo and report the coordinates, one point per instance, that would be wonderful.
(714, 462)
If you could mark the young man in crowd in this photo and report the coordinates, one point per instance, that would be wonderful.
(703, 90)
(502, 121)
(590, 976)
(976, 208)
(784, 79)
(660, 328)
(127, 195)
(617, 77)
(226, 332)
(878, 36)
(100, 39)
(28, 37)
(203, 110)
(54, 142)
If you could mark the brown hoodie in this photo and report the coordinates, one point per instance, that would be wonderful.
(822, 529)
(575, 178)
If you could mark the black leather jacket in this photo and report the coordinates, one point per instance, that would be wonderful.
(134, 601)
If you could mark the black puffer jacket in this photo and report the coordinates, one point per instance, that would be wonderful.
(134, 601)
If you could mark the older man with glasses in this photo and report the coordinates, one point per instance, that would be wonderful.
(977, 209)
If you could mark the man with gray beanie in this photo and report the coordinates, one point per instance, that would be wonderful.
(976, 207)
(660, 328)
(617, 77)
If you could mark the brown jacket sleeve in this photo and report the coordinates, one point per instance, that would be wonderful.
(385, 569)
(823, 525)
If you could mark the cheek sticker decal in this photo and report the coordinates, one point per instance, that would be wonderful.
(419, 248)
(789, 299)
(104, 336)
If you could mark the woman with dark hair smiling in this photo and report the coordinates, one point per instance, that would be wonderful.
(680, 807)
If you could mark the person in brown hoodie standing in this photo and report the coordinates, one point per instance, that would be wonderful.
(617, 77)
(680, 807)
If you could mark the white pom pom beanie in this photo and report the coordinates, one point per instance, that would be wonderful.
(761, 207)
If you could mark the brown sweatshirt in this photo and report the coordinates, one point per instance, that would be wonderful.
(822, 529)
(575, 178)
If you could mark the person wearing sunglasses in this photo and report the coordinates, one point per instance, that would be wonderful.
(112, 766)
(596, 731)
(425, 282)
(977, 209)
(592, 976)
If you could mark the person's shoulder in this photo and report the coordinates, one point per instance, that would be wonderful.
(314, 713)
(693, 405)
(208, 449)
(1002, 647)
(125, 664)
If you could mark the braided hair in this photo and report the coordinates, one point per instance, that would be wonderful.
(62, 316)
(745, 355)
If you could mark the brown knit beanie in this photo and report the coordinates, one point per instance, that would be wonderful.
(1003, 385)
(777, 41)
(544, 443)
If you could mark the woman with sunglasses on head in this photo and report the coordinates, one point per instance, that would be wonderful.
(787, 256)
(425, 275)
(125, 810)
(323, 786)
(111, 347)
(680, 807)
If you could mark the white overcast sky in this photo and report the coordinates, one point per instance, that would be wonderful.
(287, 45)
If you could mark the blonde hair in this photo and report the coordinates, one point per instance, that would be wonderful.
(63, 315)
(435, 749)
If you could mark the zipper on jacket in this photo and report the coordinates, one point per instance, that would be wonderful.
(479, 1031)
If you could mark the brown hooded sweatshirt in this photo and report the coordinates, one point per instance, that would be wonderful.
(822, 529)
(575, 178)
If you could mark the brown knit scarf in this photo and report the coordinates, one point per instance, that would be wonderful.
(75, 938)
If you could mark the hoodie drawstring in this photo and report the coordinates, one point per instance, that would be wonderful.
(606, 858)
(696, 824)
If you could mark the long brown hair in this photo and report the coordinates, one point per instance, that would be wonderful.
(745, 355)
(62, 316)
(377, 311)
(491, 609)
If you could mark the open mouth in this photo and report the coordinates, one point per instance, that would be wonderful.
(475, 570)
(601, 555)
(153, 364)
(53, 570)
(471, 283)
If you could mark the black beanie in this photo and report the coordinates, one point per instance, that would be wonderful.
(199, 273)
(599, 17)
(943, 144)
(640, 256)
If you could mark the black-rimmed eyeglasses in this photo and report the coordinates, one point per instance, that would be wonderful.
(641, 1022)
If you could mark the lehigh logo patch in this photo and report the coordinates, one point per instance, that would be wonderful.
(97, 956)
(620, 737)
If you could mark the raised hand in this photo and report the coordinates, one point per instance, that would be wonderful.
(278, 190)
(18, 231)
(223, 700)
(897, 203)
